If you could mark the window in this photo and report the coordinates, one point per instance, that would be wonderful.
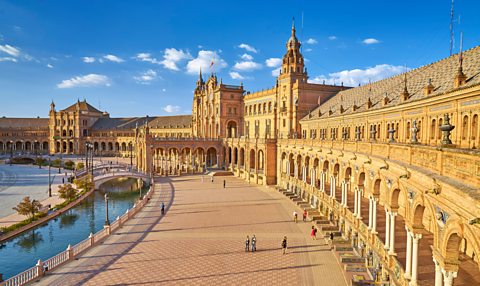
(284, 122)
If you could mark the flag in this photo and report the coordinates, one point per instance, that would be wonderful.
(211, 64)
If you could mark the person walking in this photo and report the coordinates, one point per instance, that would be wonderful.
(247, 244)
(331, 236)
(304, 215)
(212, 178)
(224, 183)
(163, 208)
(313, 233)
(284, 245)
(295, 216)
(254, 243)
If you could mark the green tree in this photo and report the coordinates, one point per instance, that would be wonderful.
(28, 208)
(85, 183)
(69, 165)
(57, 163)
(67, 192)
(40, 161)
(80, 165)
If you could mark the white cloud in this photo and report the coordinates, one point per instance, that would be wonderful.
(332, 38)
(171, 108)
(146, 77)
(236, 75)
(273, 62)
(113, 58)
(308, 50)
(85, 81)
(8, 59)
(172, 57)
(12, 51)
(311, 41)
(370, 41)
(246, 57)
(49, 66)
(247, 66)
(203, 60)
(362, 76)
(164, 89)
(88, 59)
(248, 48)
(276, 72)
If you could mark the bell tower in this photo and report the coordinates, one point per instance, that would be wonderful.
(293, 65)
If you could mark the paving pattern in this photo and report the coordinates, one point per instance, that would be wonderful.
(200, 241)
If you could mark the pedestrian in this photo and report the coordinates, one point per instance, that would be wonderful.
(212, 178)
(295, 216)
(224, 182)
(331, 236)
(63, 180)
(284, 245)
(304, 215)
(254, 243)
(247, 244)
(163, 208)
(313, 234)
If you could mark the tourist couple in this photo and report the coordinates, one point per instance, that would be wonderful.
(253, 242)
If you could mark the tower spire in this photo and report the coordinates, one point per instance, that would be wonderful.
(293, 26)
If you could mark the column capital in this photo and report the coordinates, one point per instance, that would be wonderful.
(416, 237)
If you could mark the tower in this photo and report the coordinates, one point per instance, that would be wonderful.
(293, 65)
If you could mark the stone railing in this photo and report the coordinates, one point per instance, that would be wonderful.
(42, 267)
(459, 164)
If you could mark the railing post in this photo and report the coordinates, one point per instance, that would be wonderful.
(40, 271)
(128, 213)
(70, 252)
(119, 221)
(108, 229)
(92, 239)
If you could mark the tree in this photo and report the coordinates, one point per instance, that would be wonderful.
(57, 163)
(67, 192)
(40, 161)
(85, 184)
(69, 165)
(80, 165)
(28, 208)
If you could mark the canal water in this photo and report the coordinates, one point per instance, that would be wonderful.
(22, 252)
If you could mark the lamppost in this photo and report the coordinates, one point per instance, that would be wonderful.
(107, 222)
(11, 152)
(49, 180)
(131, 157)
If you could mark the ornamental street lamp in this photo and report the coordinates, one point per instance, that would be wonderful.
(131, 156)
(11, 152)
(107, 222)
(49, 180)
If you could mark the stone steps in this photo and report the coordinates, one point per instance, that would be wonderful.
(355, 268)
(351, 259)
(322, 222)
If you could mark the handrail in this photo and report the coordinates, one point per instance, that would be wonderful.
(70, 253)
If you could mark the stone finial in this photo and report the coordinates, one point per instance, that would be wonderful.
(446, 128)
(330, 112)
(460, 78)
(429, 88)
(405, 95)
(369, 103)
(414, 130)
(342, 110)
(385, 99)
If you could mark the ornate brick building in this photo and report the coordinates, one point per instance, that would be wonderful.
(394, 163)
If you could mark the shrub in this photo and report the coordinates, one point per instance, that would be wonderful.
(69, 165)
(67, 192)
(80, 165)
(56, 163)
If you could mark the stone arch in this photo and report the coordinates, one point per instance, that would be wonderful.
(235, 156)
(261, 159)
(377, 186)
(361, 179)
(292, 164)
(417, 220)
(28, 145)
(326, 166)
(45, 145)
(103, 146)
(241, 157)
(348, 173)
(252, 159)
(336, 169)
(229, 155)
(232, 127)
(299, 165)
(124, 146)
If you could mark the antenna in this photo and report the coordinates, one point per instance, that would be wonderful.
(452, 13)
(460, 58)
(301, 35)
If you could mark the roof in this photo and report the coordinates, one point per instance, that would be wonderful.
(128, 123)
(24, 123)
(441, 74)
(83, 106)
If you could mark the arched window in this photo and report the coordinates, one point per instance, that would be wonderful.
(408, 130)
(440, 123)
(474, 126)
(433, 128)
(465, 127)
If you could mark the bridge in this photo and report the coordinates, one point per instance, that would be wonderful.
(103, 178)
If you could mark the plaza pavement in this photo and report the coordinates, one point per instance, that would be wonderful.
(200, 241)
(19, 181)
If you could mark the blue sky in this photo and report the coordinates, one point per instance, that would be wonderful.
(137, 58)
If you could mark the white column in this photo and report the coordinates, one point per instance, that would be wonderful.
(387, 229)
(312, 178)
(322, 181)
(359, 200)
(448, 277)
(416, 238)
(392, 233)
(438, 273)
(304, 173)
(332, 186)
(370, 212)
(355, 205)
(288, 168)
(295, 170)
(344, 195)
(408, 261)
(374, 218)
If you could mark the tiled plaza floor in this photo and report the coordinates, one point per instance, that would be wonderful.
(200, 241)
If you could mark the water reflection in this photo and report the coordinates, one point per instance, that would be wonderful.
(22, 252)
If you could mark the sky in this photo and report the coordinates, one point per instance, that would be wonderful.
(137, 58)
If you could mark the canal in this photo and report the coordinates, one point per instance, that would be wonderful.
(22, 252)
